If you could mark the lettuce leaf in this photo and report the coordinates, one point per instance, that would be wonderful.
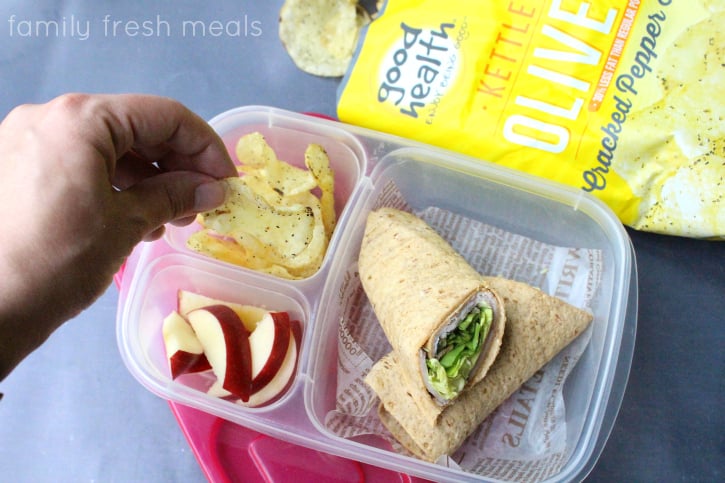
(458, 352)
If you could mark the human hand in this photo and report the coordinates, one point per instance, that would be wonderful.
(83, 179)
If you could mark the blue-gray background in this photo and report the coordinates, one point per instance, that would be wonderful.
(72, 412)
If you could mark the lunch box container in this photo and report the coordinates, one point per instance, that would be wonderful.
(364, 162)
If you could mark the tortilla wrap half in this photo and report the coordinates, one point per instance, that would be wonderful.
(422, 291)
(538, 327)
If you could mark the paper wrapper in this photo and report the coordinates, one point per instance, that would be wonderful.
(416, 282)
(525, 438)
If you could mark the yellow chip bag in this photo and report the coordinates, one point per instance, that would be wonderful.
(621, 98)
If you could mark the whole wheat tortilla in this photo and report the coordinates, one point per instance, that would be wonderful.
(415, 281)
(538, 327)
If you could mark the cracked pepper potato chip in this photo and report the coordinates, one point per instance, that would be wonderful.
(318, 163)
(320, 35)
(271, 221)
(274, 179)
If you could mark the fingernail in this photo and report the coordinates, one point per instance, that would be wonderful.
(209, 195)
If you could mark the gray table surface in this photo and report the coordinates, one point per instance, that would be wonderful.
(72, 412)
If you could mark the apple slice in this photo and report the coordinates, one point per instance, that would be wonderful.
(249, 314)
(216, 390)
(269, 343)
(183, 349)
(225, 341)
(280, 381)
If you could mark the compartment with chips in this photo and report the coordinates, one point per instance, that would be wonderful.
(374, 169)
(279, 153)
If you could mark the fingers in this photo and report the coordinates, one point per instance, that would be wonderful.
(155, 127)
(162, 158)
(170, 158)
(163, 128)
(168, 197)
(132, 168)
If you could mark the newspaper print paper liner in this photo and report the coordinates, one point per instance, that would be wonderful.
(537, 448)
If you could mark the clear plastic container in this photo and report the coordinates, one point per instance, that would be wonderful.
(364, 162)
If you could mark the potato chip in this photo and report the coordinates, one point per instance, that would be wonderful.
(320, 35)
(225, 249)
(271, 221)
(318, 163)
(272, 178)
(253, 150)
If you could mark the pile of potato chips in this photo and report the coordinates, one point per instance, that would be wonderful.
(271, 220)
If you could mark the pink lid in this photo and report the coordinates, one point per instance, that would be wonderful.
(230, 453)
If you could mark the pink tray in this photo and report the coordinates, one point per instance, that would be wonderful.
(230, 453)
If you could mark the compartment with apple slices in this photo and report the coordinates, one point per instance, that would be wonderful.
(251, 351)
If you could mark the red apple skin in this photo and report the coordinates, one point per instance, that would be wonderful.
(282, 333)
(280, 382)
(182, 362)
(296, 332)
(238, 357)
(183, 349)
(296, 328)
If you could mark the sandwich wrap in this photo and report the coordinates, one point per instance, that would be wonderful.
(444, 323)
(538, 326)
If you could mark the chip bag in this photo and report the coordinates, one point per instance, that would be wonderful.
(623, 99)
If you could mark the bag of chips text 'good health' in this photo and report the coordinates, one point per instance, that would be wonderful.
(623, 99)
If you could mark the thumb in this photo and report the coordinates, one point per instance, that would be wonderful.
(170, 196)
